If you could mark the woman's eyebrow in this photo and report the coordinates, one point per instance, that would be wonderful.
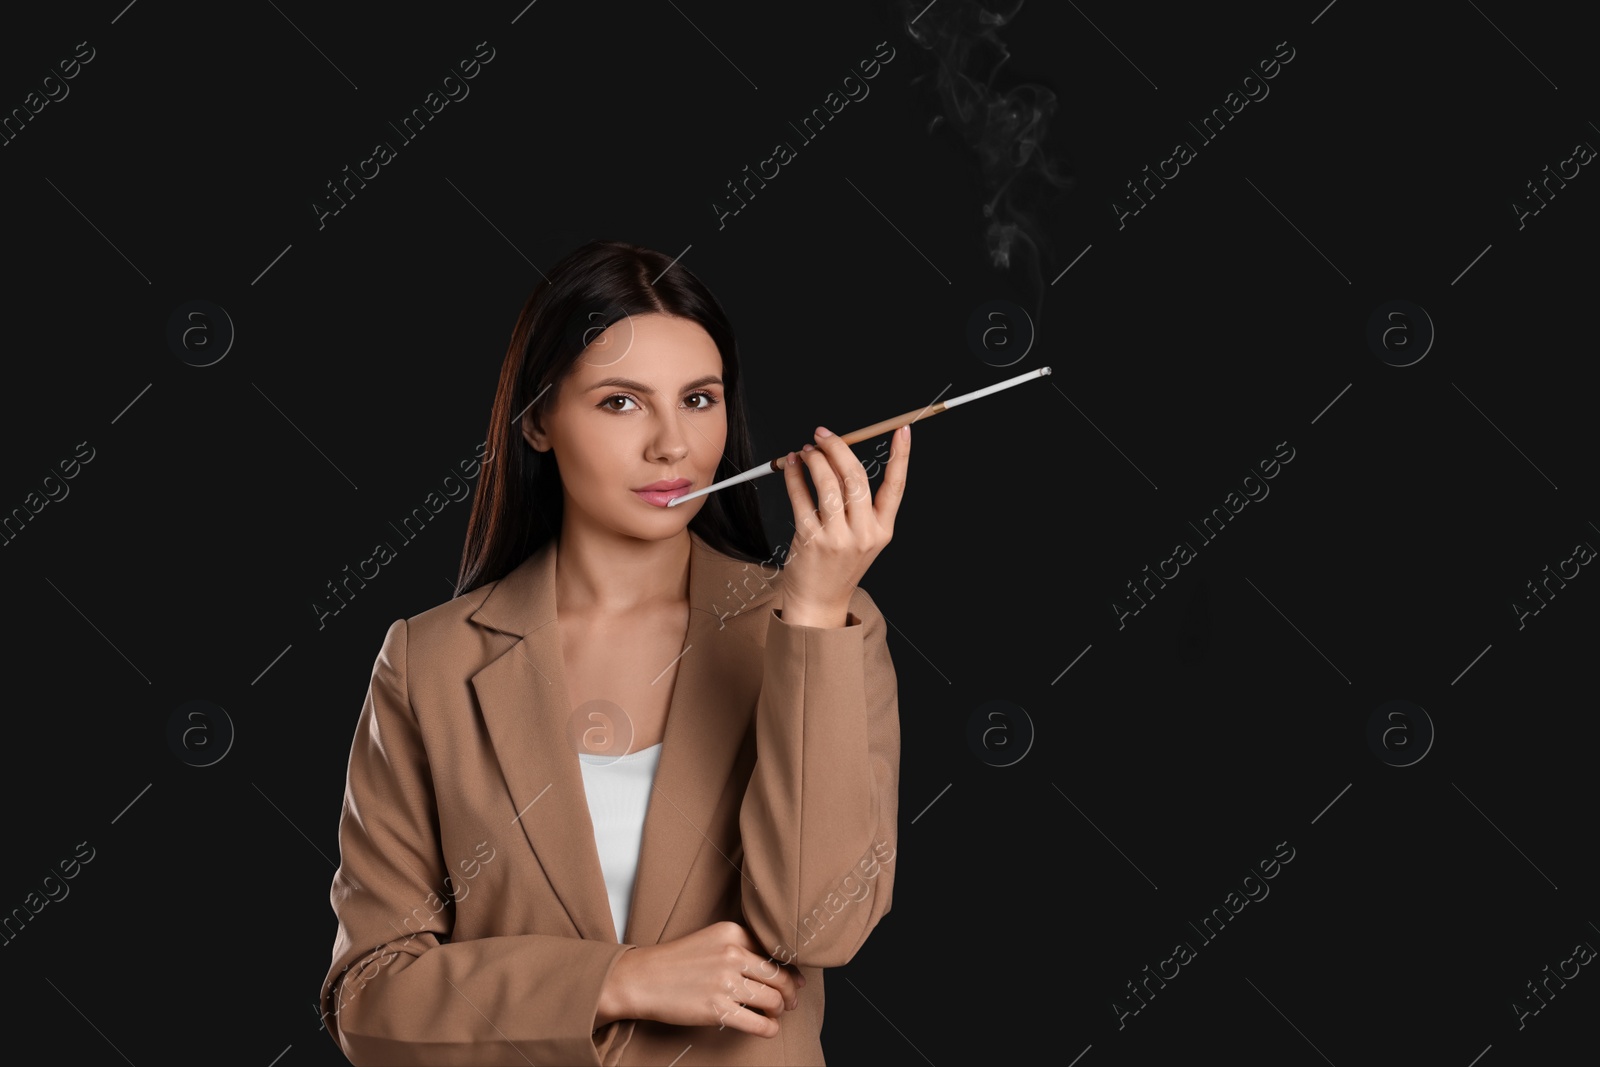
(640, 387)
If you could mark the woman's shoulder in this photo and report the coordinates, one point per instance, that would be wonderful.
(453, 630)
(451, 614)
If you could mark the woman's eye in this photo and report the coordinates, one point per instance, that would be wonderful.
(707, 402)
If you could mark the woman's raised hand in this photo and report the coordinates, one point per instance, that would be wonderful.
(712, 977)
(842, 534)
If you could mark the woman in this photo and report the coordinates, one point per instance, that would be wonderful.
(623, 798)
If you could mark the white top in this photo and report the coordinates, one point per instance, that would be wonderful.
(618, 788)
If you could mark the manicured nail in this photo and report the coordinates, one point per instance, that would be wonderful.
(809, 448)
(789, 460)
(822, 431)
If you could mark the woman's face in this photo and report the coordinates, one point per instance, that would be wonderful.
(643, 404)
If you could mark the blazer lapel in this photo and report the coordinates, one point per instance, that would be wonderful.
(523, 697)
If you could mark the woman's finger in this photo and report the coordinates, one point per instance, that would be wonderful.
(830, 497)
(893, 489)
(753, 994)
(775, 977)
(847, 465)
(805, 513)
(730, 1013)
(764, 969)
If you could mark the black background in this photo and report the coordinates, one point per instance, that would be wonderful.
(1227, 317)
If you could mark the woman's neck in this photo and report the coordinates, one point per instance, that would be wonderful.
(610, 576)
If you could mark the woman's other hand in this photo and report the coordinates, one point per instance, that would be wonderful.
(712, 977)
(839, 536)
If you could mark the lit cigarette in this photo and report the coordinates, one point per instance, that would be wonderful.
(867, 432)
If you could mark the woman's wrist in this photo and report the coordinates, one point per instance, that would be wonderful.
(796, 613)
(616, 1000)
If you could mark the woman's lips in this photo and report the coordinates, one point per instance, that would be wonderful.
(659, 497)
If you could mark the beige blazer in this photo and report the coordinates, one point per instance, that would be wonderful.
(473, 922)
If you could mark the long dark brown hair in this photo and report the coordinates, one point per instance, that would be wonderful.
(517, 505)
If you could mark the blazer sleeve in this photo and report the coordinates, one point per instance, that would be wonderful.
(399, 990)
(818, 819)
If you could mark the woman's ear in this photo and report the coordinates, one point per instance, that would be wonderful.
(532, 434)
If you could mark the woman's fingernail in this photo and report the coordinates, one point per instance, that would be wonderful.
(809, 448)
(822, 431)
(789, 460)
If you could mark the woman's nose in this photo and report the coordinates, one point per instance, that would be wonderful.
(671, 442)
